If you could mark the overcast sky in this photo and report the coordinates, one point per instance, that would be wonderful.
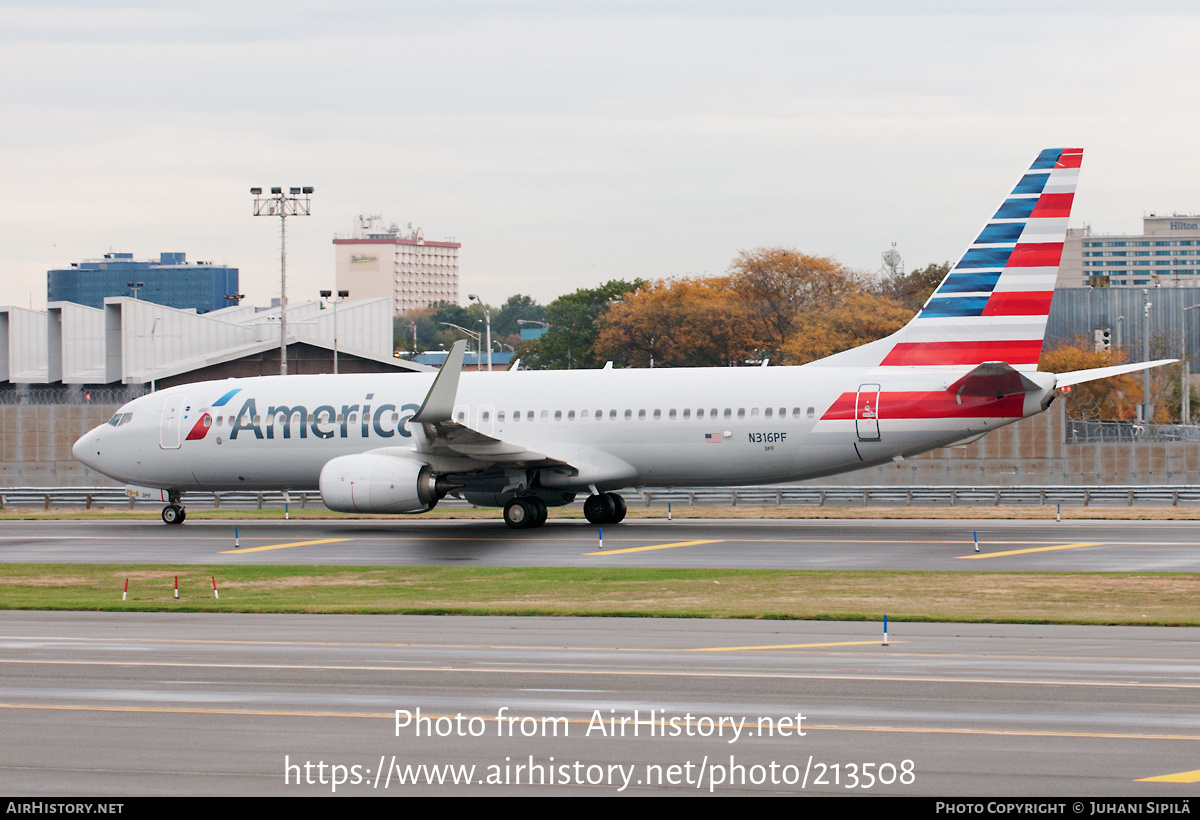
(568, 143)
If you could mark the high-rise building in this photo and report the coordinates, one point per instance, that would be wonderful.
(398, 263)
(170, 281)
(1165, 254)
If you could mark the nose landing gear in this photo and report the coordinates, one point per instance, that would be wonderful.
(174, 512)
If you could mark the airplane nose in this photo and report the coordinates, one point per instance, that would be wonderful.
(85, 449)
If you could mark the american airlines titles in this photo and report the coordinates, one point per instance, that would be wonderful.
(325, 421)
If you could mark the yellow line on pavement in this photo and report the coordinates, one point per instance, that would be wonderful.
(1181, 777)
(655, 547)
(284, 546)
(1034, 549)
(788, 646)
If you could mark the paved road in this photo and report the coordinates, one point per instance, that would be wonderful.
(142, 704)
(1128, 546)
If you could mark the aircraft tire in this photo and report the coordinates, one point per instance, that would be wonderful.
(619, 508)
(173, 514)
(600, 509)
(541, 512)
(519, 514)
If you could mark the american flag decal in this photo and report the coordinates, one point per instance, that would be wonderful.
(712, 438)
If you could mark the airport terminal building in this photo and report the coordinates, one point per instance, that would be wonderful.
(170, 280)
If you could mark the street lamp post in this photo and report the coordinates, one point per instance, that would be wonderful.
(487, 320)
(135, 287)
(469, 333)
(328, 294)
(296, 202)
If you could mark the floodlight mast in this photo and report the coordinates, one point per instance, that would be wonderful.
(296, 202)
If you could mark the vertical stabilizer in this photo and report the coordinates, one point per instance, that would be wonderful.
(993, 305)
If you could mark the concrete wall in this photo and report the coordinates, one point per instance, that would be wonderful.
(1032, 452)
(36, 440)
(35, 450)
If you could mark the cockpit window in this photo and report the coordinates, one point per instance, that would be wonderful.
(120, 418)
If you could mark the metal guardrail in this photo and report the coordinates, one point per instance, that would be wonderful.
(771, 496)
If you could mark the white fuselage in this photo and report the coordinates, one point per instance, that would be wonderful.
(620, 427)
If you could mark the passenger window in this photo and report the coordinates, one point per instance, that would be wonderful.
(754, 413)
(570, 415)
(657, 414)
(783, 412)
(558, 415)
(499, 417)
(487, 416)
(461, 418)
(687, 413)
(810, 412)
(628, 415)
(599, 415)
(671, 414)
(583, 415)
(712, 414)
(767, 413)
(700, 413)
(396, 418)
(728, 413)
(795, 412)
(641, 415)
(545, 415)
(529, 416)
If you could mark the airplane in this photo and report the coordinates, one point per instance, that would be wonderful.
(529, 440)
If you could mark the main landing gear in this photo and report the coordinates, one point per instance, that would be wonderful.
(604, 508)
(525, 512)
(173, 513)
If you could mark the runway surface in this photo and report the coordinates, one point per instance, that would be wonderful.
(111, 704)
(1104, 546)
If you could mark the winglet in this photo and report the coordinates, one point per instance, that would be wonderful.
(439, 404)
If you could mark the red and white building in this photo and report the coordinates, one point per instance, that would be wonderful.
(398, 263)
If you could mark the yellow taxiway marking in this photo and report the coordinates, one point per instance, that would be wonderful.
(1181, 777)
(1034, 549)
(787, 646)
(808, 727)
(284, 546)
(656, 547)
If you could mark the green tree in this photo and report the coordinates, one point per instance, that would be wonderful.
(568, 341)
(504, 321)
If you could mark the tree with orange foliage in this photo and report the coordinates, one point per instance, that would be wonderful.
(677, 323)
(782, 287)
(1111, 399)
(857, 318)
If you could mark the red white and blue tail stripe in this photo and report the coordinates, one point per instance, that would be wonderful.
(994, 303)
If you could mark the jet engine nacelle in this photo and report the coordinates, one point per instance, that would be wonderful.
(368, 483)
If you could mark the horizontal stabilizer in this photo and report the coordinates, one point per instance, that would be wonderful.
(1081, 376)
(994, 379)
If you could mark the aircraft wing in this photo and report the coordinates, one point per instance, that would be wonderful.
(447, 439)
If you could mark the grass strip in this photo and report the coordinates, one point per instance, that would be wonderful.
(1163, 599)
